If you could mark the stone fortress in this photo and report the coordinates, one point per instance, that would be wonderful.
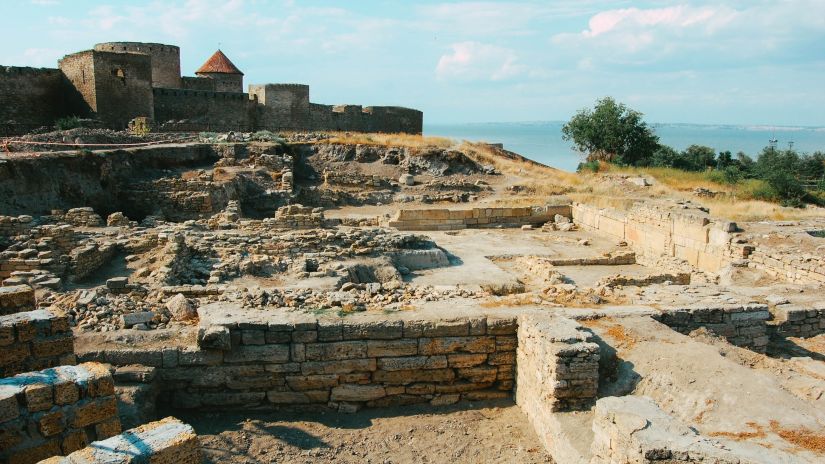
(118, 81)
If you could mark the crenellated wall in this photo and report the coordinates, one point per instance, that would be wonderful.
(216, 111)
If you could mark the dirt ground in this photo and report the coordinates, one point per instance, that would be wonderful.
(488, 432)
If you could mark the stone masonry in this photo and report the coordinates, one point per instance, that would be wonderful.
(55, 411)
(34, 340)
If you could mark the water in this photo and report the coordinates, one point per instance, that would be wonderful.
(541, 141)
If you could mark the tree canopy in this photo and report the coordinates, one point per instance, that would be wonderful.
(611, 132)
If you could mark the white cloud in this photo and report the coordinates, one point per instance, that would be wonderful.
(478, 61)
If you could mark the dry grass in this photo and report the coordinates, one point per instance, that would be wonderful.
(390, 140)
(757, 431)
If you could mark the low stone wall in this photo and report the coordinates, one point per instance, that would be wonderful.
(741, 325)
(446, 219)
(796, 321)
(15, 299)
(88, 259)
(659, 230)
(557, 370)
(55, 412)
(34, 340)
(14, 225)
(270, 358)
(167, 441)
(796, 268)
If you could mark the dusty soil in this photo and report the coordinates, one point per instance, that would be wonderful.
(490, 432)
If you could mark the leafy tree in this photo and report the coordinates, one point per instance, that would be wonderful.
(780, 168)
(696, 158)
(611, 132)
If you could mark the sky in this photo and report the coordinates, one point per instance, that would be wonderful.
(716, 62)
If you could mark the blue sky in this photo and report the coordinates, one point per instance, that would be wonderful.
(720, 62)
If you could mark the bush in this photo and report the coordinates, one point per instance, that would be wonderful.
(69, 122)
(592, 166)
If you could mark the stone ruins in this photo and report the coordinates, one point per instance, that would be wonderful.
(319, 278)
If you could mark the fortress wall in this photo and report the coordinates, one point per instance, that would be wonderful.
(197, 83)
(370, 119)
(34, 340)
(78, 69)
(124, 87)
(165, 60)
(271, 359)
(392, 119)
(29, 98)
(55, 412)
(217, 111)
(283, 106)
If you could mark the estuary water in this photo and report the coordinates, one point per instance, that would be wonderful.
(541, 141)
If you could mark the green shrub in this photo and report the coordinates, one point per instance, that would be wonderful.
(69, 122)
(592, 166)
(757, 189)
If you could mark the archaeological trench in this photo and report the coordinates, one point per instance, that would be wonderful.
(146, 291)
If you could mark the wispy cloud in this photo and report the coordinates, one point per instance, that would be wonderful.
(478, 61)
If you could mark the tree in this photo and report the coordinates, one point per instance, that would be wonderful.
(611, 132)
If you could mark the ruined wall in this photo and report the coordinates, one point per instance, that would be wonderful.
(55, 412)
(740, 325)
(165, 441)
(165, 60)
(797, 321)
(36, 185)
(445, 219)
(557, 370)
(215, 111)
(16, 299)
(661, 231)
(269, 359)
(34, 340)
(795, 267)
(29, 98)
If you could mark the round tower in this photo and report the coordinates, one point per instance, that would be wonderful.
(165, 60)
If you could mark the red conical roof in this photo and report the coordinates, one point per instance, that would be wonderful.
(218, 63)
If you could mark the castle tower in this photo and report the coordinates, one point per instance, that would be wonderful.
(165, 60)
(227, 77)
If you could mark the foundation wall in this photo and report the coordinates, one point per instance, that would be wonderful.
(34, 340)
(796, 268)
(55, 412)
(740, 325)
(273, 361)
(659, 231)
(165, 441)
(16, 299)
(446, 219)
(796, 321)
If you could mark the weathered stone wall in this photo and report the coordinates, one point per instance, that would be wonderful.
(795, 267)
(88, 259)
(16, 299)
(55, 412)
(740, 325)
(268, 359)
(216, 111)
(557, 370)
(30, 97)
(34, 340)
(197, 83)
(283, 106)
(388, 119)
(445, 219)
(167, 441)
(797, 321)
(14, 225)
(662, 231)
(36, 185)
(165, 60)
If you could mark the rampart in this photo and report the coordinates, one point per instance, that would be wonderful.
(34, 340)
(445, 219)
(30, 98)
(55, 412)
(218, 111)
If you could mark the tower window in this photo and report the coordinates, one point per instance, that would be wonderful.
(120, 74)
